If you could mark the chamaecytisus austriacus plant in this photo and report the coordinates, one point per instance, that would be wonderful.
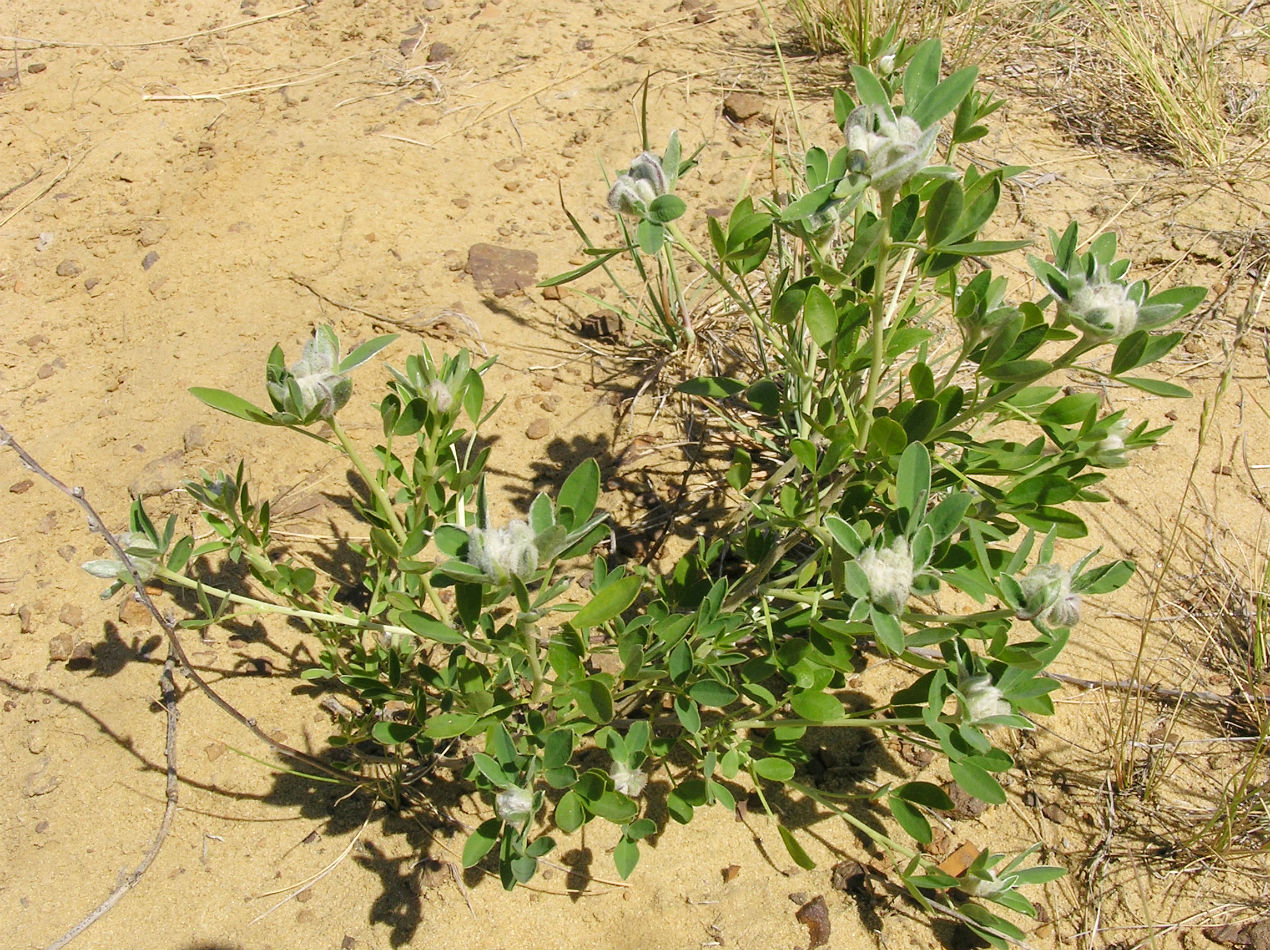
(908, 450)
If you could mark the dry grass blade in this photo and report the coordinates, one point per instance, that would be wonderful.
(1169, 63)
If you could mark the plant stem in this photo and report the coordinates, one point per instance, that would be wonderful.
(382, 502)
(685, 318)
(718, 277)
(877, 318)
(264, 607)
(528, 636)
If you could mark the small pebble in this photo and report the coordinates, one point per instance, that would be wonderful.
(60, 647)
(19, 488)
(149, 260)
(538, 429)
(41, 827)
(72, 615)
(37, 68)
(69, 268)
(440, 52)
(27, 618)
(133, 613)
(1055, 813)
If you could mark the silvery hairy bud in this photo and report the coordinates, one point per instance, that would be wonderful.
(1048, 597)
(314, 385)
(888, 150)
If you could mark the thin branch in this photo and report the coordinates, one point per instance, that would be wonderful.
(168, 690)
(97, 525)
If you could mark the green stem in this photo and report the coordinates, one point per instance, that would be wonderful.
(264, 607)
(709, 268)
(529, 641)
(868, 830)
(685, 318)
(382, 501)
(878, 318)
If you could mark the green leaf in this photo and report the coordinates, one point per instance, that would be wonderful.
(870, 91)
(393, 733)
(910, 819)
(889, 633)
(234, 405)
(924, 793)
(764, 397)
(570, 815)
(816, 706)
(709, 692)
(594, 700)
(180, 555)
(607, 603)
(821, 318)
(365, 352)
(715, 387)
(651, 236)
(688, 713)
(558, 749)
(680, 810)
(582, 271)
(488, 766)
(943, 212)
(741, 469)
(625, 857)
(801, 858)
(579, 492)
(921, 75)
(922, 380)
(888, 436)
(429, 627)
(641, 828)
(448, 725)
(1157, 387)
(943, 98)
(480, 842)
(615, 807)
(977, 782)
(666, 208)
(912, 481)
(774, 769)
(1129, 353)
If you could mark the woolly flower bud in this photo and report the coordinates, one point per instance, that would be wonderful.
(1048, 597)
(637, 187)
(320, 387)
(627, 780)
(111, 569)
(515, 805)
(1104, 310)
(982, 700)
(501, 553)
(1110, 452)
(440, 396)
(890, 151)
(889, 571)
(886, 64)
(987, 886)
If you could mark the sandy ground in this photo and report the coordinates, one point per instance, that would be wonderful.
(183, 184)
